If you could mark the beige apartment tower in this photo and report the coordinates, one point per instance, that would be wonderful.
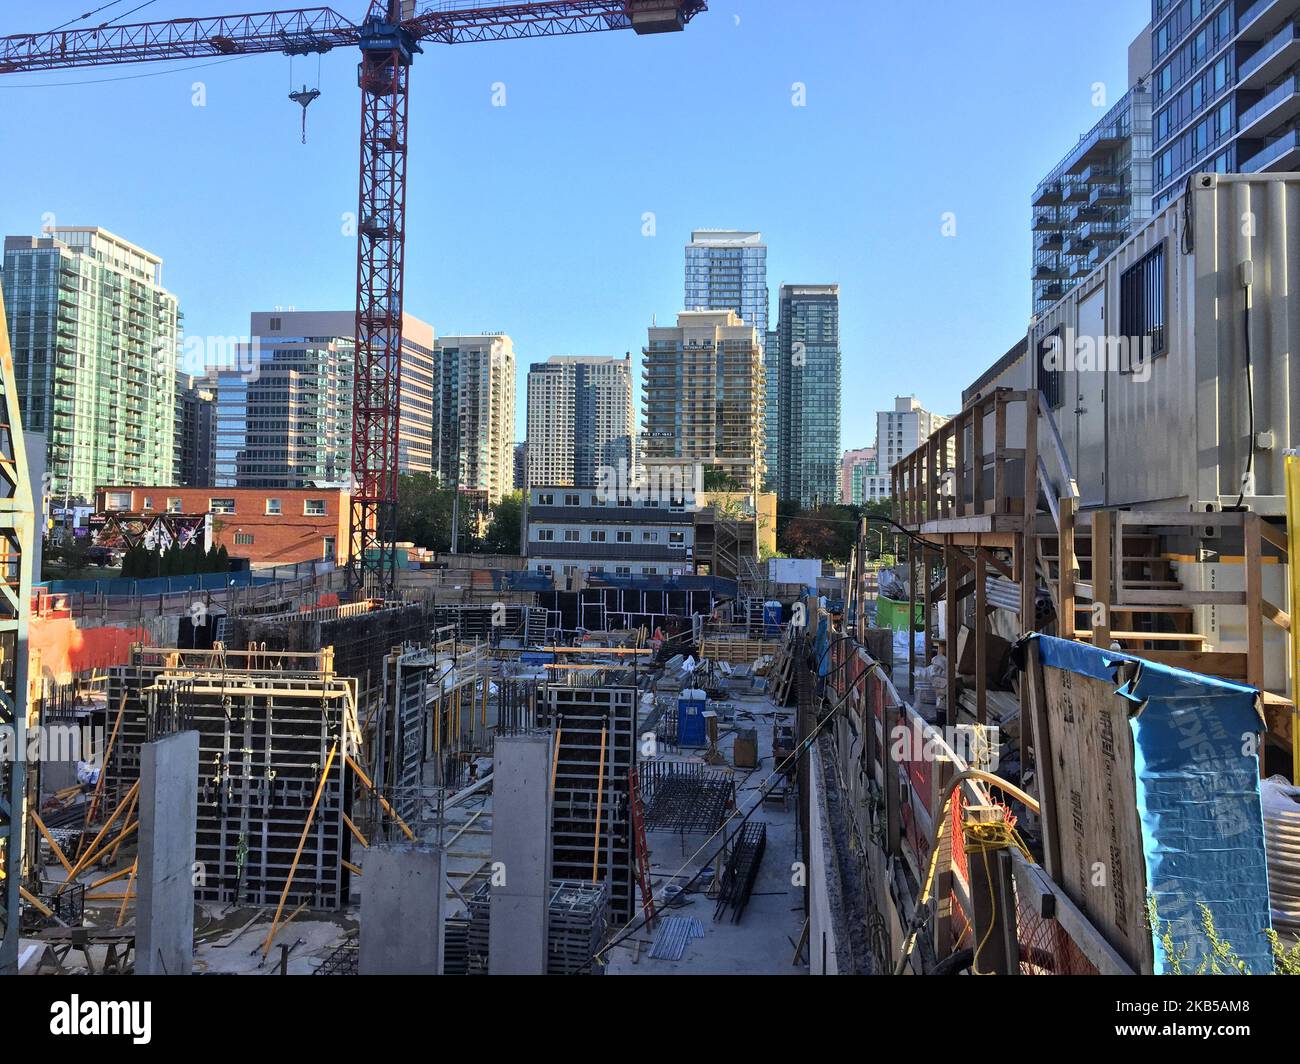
(580, 420)
(703, 394)
(474, 413)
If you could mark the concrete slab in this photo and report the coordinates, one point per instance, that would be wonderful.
(169, 807)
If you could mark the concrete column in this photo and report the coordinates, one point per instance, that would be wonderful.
(521, 855)
(169, 809)
(402, 896)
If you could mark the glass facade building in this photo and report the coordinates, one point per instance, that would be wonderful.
(807, 393)
(1226, 88)
(1093, 199)
(726, 269)
(95, 339)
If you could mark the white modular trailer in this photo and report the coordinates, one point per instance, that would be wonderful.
(1171, 375)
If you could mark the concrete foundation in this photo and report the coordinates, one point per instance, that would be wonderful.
(521, 855)
(402, 895)
(169, 799)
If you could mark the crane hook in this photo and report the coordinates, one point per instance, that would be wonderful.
(304, 97)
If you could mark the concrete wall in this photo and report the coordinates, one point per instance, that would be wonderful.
(521, 855)
(401, 911)
(169, 807)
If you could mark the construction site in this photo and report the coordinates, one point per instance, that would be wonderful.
(1053, 734)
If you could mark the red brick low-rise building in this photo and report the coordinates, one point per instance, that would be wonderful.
(268, 526)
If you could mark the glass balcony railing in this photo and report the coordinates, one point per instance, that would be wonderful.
(1285, 144)
(1251, 115)
(1289, 34)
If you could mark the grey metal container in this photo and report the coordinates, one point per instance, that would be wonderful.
(1178, 432)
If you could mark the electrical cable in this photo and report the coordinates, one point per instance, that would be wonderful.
(82, 18)
(1249, 474)
(125, 77)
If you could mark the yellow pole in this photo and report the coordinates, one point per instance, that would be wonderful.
(600, 794)
(121, 913)
(1293, 570)
(58, 852)
(302, 841)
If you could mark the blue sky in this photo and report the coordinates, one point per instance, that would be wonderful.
(527, 218)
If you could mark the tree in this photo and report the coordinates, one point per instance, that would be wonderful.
(717, 480)
(507, 520)
(828, 532)
(423, 511)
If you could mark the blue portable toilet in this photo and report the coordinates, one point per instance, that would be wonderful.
(772, 611)
(690, 717)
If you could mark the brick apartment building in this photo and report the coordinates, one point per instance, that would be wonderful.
(268, 526)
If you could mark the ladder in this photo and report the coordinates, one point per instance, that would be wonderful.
(642, 849)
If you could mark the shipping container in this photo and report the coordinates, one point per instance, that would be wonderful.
(1168, 368)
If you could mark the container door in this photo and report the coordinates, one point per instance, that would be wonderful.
(1089, 381)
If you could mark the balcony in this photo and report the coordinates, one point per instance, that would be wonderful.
(1282, 155)
(1259, 21)
(1048, 271)
(1102, 230)
(1276, 107)
(1049, 242)
(1077, 245)
(1097, 174)
(1048, 223)
(1103, 195)
(1271, 60)
(1048, 194)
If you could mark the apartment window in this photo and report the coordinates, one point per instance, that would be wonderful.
(173, 506)
(148, 503)
(545, 535)
(243, 539)
(329, 548)
(118, 500)
(273, 507)
(314, 508)
(625, 536)
(573, 500)
(275, 325)
(597, 535)
(649, 570)
(221, 506)
(677, 537)
(624, 570)
(546, 499)
(625, 502)
(1142, 304)
(572, 535)
(649, 537)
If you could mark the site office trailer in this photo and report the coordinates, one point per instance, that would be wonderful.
(1203, 294)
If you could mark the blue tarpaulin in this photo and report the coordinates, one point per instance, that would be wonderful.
(1196, 742)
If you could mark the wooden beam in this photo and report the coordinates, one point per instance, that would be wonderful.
(1254, 601)
(1101, 589)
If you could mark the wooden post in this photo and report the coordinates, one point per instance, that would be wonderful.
(981, 640)
(953, 629)
(977, 459)
(890, 715)
(997, 950)
(959, 483)
(911, 613)
(1068, 565)
(927, 564)
(1101, 591)
(999, 454)
(1035, 687)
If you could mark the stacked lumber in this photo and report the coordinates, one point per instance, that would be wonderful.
(736, 651)
(780, 675)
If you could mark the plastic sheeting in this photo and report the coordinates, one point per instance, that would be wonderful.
(1195, 750)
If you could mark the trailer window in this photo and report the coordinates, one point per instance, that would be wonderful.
(1051, 374)
(1142, 306)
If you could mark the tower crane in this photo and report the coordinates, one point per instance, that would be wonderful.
(389, 38)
